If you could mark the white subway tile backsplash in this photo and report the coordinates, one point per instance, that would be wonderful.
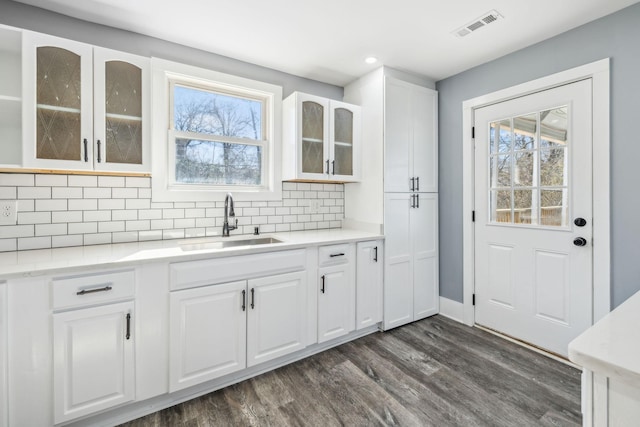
(34, 217)
(66, 241)
(7, 245)
(110, 227)
(70, 210)
(51, 229)
(66, 216)
(51, 180)
(28, 243)
(66, 193)
(113, 204)
(8, 193)
(34, 192)
(111, 181)
(97, 239)
(83, 205)
(138, 182)
(83, 227)
(17, 179)
(124, 237)
(124, 215)
(82, 181)
(97, 216)
(51, 205)
(97, 193)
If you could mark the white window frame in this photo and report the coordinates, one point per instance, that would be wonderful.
(164, 188)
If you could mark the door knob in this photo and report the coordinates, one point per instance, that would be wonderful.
(580, 222)
(580, 241)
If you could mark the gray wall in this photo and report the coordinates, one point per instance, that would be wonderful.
(616, 36)
(32, 18)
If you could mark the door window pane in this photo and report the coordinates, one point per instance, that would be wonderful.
(528, 179)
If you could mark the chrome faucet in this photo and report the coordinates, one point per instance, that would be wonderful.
(228, 212)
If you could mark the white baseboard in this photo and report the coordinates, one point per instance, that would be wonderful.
(454, 310)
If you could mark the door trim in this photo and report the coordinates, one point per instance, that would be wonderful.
(598, 72)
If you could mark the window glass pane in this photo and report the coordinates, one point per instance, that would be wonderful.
(553, 207)
(523, 205)
(501, 203)
(553, 127)
(524, 132)
(503, 142)
(217, 163)
(212, 113)
(500, 171)
(523, 170)
(552, 167)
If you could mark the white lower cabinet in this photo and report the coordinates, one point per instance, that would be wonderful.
(93, 360)
(223, 328)
(369, 280)
(4, 421)
(207, 333)
(93, 343)
(337, 292)
(411, 263)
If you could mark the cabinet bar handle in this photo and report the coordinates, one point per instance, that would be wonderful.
(322, 288)
(333, 167)
(413, 181)
(99, 157)
(244, 297)
(252, 298)
(90, 291)
(128, 325)
(413, 198)
(335, 255)
(375, 254)
(327, 167)
(417, 200)
(417, 183)
(86, 154)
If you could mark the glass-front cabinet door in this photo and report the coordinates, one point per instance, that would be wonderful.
(85, 107)
(58, 100)
(321, 139)
(121, 87)
(345, 136)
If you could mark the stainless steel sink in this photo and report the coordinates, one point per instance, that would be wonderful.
(221, 244)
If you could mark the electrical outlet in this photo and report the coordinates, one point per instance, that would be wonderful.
(8, 209)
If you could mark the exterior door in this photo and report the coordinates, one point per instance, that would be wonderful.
(533, 207)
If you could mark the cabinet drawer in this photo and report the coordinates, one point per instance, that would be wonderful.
(334, 254)
(69, 292)
(192, 274)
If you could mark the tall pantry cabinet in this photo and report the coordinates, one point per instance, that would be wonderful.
(399, 188)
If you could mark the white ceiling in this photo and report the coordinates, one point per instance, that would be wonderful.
(327, 40)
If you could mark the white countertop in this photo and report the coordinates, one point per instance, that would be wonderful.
(42, 261)
(612, 346)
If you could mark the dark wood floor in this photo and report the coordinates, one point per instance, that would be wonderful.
(435, 372)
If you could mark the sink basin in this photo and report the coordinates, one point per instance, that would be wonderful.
(221, 244)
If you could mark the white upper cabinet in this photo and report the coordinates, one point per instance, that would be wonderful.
(84, 107)
(410, 128)
(321, 139)
(10, 97)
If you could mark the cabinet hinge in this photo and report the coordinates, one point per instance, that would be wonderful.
(473, 216)
(473, 132)
(473, 299)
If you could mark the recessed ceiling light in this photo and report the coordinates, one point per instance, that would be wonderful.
(371, 60)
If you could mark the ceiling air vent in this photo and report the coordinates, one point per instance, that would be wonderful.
(478, 23)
